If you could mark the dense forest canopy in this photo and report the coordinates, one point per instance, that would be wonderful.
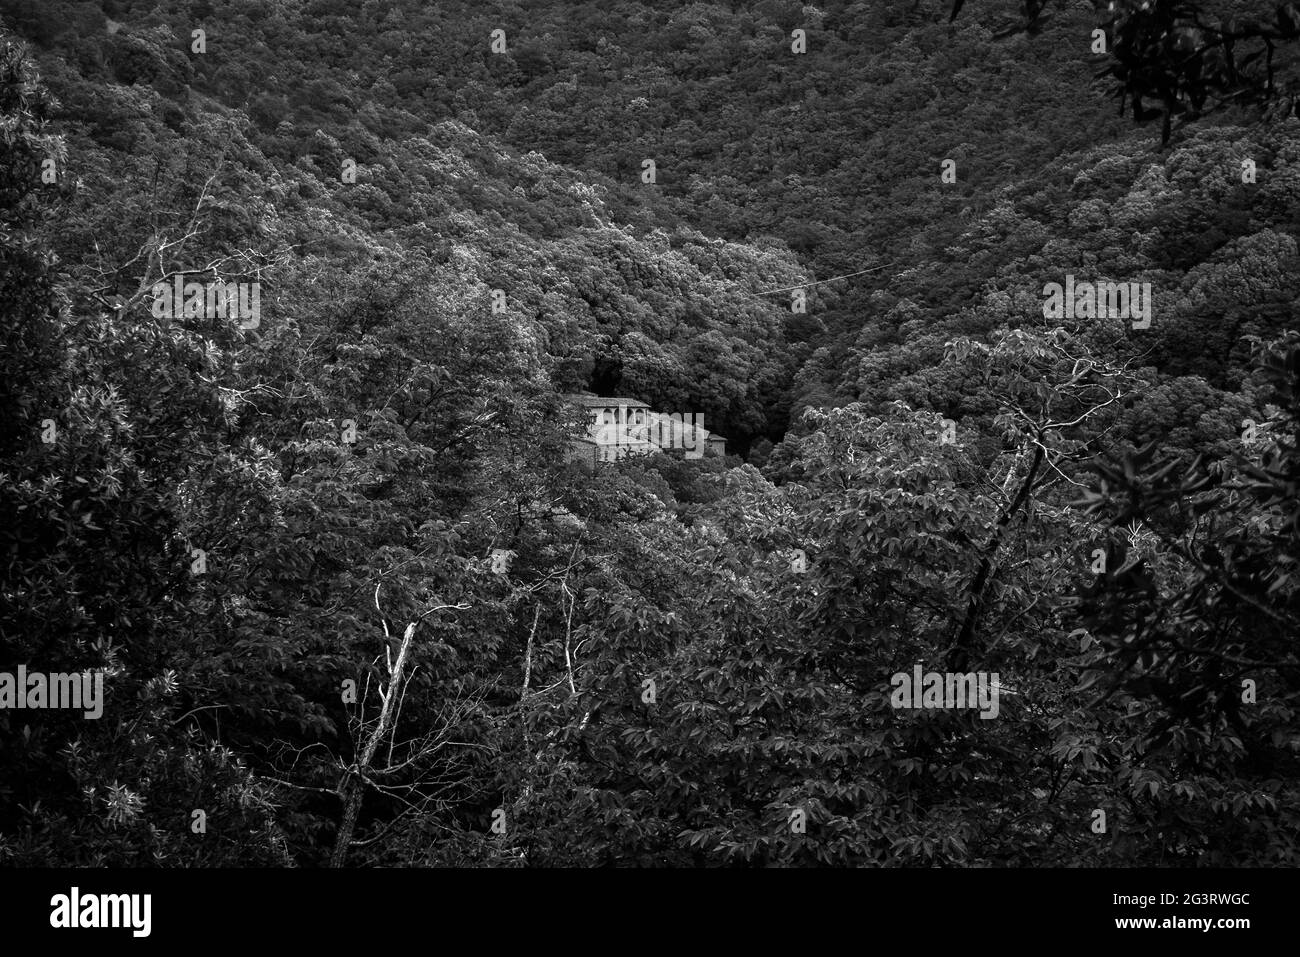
(275, 538)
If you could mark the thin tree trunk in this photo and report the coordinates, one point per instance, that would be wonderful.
(352, 789)
(959, 656)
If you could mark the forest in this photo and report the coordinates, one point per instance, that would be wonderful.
(831, 231)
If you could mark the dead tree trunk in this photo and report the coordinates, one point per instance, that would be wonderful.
(353, 787)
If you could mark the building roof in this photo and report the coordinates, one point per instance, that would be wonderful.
(604, 402)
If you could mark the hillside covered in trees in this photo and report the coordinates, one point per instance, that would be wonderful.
(352, 603)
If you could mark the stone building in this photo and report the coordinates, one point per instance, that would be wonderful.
(619, 427)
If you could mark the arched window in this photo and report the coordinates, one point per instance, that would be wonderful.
(603, 425)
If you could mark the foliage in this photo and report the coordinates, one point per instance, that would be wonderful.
(652, 679)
